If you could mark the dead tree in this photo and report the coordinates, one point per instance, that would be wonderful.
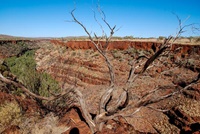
(143, 63)
(123, 101)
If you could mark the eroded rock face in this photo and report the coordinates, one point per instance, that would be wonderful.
(119, 45)
(77, 63)
(77, 125)
(70, 63)
(123, 45)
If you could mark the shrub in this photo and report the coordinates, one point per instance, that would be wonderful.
(161, 38)
(73, 54)
(3, 68)
(24, 67)
(128, 37)
(8, 49)
(116, 54)
(95, 54)
(131, 51)
(10, 113)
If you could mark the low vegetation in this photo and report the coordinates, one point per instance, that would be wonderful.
(10, 113)
(24, 67)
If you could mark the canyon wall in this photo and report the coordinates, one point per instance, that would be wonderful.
(123, 45)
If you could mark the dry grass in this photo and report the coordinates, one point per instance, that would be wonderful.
(165, 128)
(10, 114)
(191, 107)
(47, 125)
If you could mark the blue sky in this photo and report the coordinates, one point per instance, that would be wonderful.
(138, 18)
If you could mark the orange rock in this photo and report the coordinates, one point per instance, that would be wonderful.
(77, 126)
(12, 130)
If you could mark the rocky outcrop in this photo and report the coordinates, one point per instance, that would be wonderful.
(183, 121)
(120, 45)
(78, 62)
(77, 125)
(123, 45)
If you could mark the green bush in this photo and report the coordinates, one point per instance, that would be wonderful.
(161, 38)
(116, 54)
(24, 67)
(131, 51)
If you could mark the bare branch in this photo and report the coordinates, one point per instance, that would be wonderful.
(166, 44)
(103, 17)
(109, 65)
(195, 28)
(85, 112)
(104, 99)
(132, 114)
(75, 20)
(103, 32)
(121, 103)
(151, 101)
(134, 66)
(150, 92)
(76, 92)
(156, 109)
(19, 85)
(152, 58)
(112, 30)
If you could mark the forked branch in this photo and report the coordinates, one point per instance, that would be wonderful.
(75, 92)
(101, 51)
